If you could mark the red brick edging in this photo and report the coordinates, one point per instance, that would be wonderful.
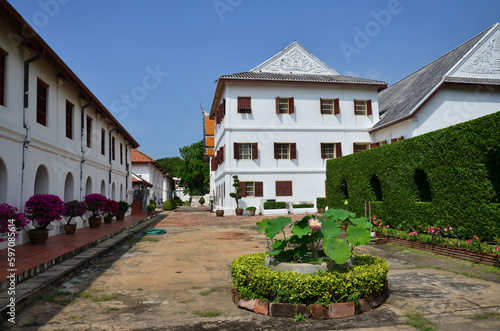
(455, 252)
(316, 311)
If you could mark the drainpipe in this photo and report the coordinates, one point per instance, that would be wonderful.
(128, 171)
(27, 138)
(110, 160)
(82, 144)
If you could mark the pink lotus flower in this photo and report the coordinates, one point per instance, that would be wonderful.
(445, 230)
(315, 224)
(450, 228)
(497, 248)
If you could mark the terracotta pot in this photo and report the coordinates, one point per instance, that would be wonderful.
(70, 228)
(150, 212)
(94, 222)
(108, 219)
(239, 211)
(219, 213)
(321, 210)
(38, 236)
(120, 217)
(251, 212)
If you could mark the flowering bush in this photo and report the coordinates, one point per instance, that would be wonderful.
(316, 236)
(43, 209)
(95, 203)
(74, 208)
(110, 208)
(9, 218)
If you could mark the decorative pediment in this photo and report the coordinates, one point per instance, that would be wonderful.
(295, 59)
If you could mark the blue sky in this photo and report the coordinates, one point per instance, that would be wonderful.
(152, 63)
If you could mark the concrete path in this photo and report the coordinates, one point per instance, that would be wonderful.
(182, 282)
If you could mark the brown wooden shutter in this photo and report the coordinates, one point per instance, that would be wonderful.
(243, 192)
(321, 105)
(223, 156)
(259, 189)
(240, 104)
(338, 149)
(279, 188)
(293, 151)
(354, 147)
(373, 145)
(223, 107)
(369, 107)
(276, 151)
(289, 188)
(291, 106)
(277, 105)
(236, 151)
(255, 151)
(322, 150)
(393, 140)
(336, 106)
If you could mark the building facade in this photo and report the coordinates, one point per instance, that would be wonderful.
(278, 124)
(55, 135)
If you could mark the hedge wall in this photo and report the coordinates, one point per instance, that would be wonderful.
(446, 177)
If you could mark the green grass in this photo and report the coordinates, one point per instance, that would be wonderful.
(186, 301)
(213, 289)
(417, 320)
(485, 315)
(206, 313)
(92, 295)
(196, 287)
(113, 308)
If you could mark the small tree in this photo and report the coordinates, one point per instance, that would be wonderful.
(237, 189)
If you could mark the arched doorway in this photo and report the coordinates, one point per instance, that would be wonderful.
(41, 181)
(113, 192)
(103, 188)
(121, 191)
(69, 188)
(88, 186)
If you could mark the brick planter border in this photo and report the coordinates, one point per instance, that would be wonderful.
(315, 311)
(455, 252)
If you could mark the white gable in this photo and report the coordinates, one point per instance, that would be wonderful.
(483, 61)
(295, 59)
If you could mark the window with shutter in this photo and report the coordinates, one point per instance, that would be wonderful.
(282, 151)
(361, 107)
(284, 188)
(244, 105)
(41, 102)
(338, 150)
(69, 119)
(243, 186)
(3, 58)
(359, 147)
(327, 150)
(328, 106)
(259, 189)
(285, 105)
(255, 151)
(368, 107)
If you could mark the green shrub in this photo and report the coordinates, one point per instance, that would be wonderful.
(255, 281)
(449, 176)
(274, 205)
(169, 205)
(321, 202)
(201, 201)
(151, 207)
(303, 205)
(251, 208)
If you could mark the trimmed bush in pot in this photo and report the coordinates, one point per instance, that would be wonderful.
(73, 208)
(43, 209)
(95, 204)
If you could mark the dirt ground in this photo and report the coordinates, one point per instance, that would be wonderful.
(181, 281)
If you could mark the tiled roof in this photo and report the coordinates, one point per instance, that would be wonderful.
(137, 179)
(400, 101)
(209, 126)
(138, 156)
(303, 78)
(472, 80)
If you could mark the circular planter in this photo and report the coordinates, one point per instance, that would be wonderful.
(321, 210)
(239, 211)
(219, 213)
(70, 228)
(251, 212)
(38, 237)
(108, 219)
(120, 217)
(94, 222)
(306, 268)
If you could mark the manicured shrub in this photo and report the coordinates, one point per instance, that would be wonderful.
(255, 281)
(201, 201)
(321, 202)
(274, 205)
(169, 205)
(303, 205)
(449, 176)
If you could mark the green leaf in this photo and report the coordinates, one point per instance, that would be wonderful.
(361, 222)
(276, 225)
(358, 235)
(337, 250)
(339, 214)
(302, 228)
(330, 228)
(315, 260)
(301, 250)
(273, 252)
(262, 224)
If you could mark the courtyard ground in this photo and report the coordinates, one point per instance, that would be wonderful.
(181, 281)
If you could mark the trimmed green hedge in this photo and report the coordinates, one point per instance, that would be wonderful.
(303, 205)
(255, 281)
(446, 177)
(274, 205)
(321, 202)
(169, 205)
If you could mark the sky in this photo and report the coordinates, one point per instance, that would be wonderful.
(153, 64)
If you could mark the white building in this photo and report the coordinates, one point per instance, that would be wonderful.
(276, 125)
(461, 85)
(150, 170)
(55, 135)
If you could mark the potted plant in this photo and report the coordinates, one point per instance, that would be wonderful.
(321, 204)
(251, 210)
(151, 208)
(202, 201)
(123, 207)
(95, 204)
(236, 194)
(110, 210)
(11, 221)
(73, 208)
(219, 212)
(42, 209)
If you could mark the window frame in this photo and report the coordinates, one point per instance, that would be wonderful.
(244, 105)
(367, 111)
(291, 153)
(355, 145)
(3, 76)
(284, 190)
(290, 102)
(41, 102)
(103, 141)
(70, 108)
(335, 104)
(254, 151)
(88, 131)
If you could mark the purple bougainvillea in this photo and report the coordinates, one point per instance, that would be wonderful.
(11, 220)
(43, 209)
